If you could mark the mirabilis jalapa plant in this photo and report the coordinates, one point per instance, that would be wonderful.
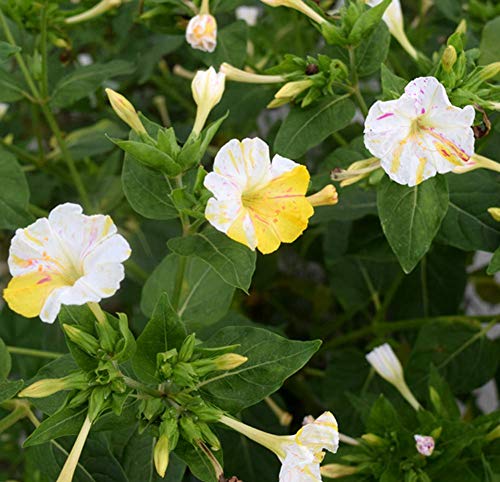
(173, 389)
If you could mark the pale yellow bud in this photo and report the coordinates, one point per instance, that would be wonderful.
(489, 71)
(238, 75)
(326, 197)
(494, 434)
(43, 388)
(125, 111)
(372, 439)
(229, 361)
(337, 471)
(449, 58)
(297, 5)
(161, 455)
(495, 213)
(292, 89)
(462, 27)
(3, 109)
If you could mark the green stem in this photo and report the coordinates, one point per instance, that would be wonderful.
(136, 385)
(36, 211)
(16, 350)
(355, 83)
(179, 280)
(75, 176)
(44, 83)
(19, 153)
(17, 414)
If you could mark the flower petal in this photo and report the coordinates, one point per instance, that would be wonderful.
(427, 94)
(321, 434)
(299, 465)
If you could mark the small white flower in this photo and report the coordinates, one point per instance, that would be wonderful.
(257, 202)
(201, 32)
(386, 364)
(207, 88)
(420, 134)
(65, 259)
(248, 14)
(425, 444)
(393, 17)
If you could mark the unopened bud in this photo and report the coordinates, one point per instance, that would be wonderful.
(238, 75)
(337, 471)
(372, 439)
(462, 27)
(209, 436)
(424, 444)
(489, 71)
(326, 197)
(49, 386)
(161, 455)
(292, 89)
(190, 430)
(187, 348)
(125, 111)
(102, 7)
(299, 5)
(84, 340)
(494, 434)
(229, 361)
(449, 58)
(494, 213)
(97, 401)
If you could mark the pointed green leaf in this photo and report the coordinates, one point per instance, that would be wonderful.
(9, 389)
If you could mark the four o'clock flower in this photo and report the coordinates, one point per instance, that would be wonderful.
(393, 17)
(125, 111)
(299, 5)
(207, 88)
(257, 202)
(248, 14)
(65, 259)
(201, 32)
(424, 444)
(420, 134)
(386, 364)
(300, 454)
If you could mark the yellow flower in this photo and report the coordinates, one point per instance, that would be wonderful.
(257, 202)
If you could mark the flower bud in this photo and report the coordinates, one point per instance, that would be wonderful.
(229, 361)
(102, 7)
(161, 455)
(201, 32)
(49, 386)
(125, 111)
(297, 5)
(372, 439)
(424, 444)
(291, 89)
(190, 430)
(489, 71)
(187, 348)
(84, 340)
(494, 213)
(238, 75)
(209, 436)
(3, 109)
(337, 471)
(449, 58)
(207, 88)
(494, 434)
(386, 364)
(97, 401)
(326, 197)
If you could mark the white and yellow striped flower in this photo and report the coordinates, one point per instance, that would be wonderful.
(201, 32)
(420, 134)
(257, 202)
(65, 259)
(300, 454)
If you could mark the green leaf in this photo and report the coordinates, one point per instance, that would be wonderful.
(85, 80)
(392, 86)
(371, 54)
(5, 361)
(204, 299)
(306, 128)
(6, 51)
(14, 195)
(411, 216)
(494, 265)
(197, 461)
(67, 421)
(367, 21)
(490, 40)
(441, 396)
(232, 261)
(147, 191)
(465, 359)
(383, 418)
(163, 332)
(231, 46)
(9, 389)
(467, 224)
(149, 156)
(11, 89)
(271, 360)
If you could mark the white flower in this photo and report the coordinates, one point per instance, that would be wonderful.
(300, 454)
(386, 364)
(207, 88)
(201, 32)
(424, 444)
(420, 134)
(393, 17)
(3, 109)
(257, 202)
(67, 259)
(248, 14)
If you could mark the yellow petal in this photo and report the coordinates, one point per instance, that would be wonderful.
(27, 294)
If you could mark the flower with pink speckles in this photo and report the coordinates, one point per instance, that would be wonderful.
(425, 444)
(66, 259)
(420, 134)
